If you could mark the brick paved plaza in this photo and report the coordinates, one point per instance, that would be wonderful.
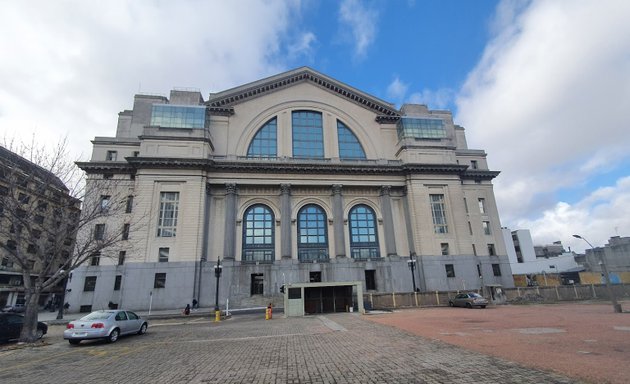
(336, 348)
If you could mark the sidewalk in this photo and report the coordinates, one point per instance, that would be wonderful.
(51, 317)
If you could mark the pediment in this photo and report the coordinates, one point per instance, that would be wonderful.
(224, 101)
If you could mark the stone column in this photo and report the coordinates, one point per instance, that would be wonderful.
(230, 221)
(340, 243)
(412, 245)
(388, 220)
(285, 223)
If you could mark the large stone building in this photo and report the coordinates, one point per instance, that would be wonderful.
(295, 178)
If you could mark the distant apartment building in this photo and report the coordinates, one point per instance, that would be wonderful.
(32, 203)
(296, 178)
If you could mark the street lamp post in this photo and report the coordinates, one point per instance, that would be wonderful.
(602, 262)
(217, 273)
(412, 265)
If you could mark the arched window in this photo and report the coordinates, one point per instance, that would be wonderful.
(363, 235)
(308, 135)
(258, 234)
(349, 146)
(265, 142)
(312, 234)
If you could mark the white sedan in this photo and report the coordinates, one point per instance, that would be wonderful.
(108, 325)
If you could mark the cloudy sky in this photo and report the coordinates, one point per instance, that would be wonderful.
(542, 86)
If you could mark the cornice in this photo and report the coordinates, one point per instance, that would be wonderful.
(285, 167)
(384, 111)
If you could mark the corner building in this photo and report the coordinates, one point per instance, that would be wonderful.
(295, 178)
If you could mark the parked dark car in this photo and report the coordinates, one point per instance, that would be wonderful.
(468, 300)
(108, 325)
(11, 326)
(17, 308)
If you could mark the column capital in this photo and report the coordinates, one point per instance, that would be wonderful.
(285, 189)
(230, 188)
(336, 189)
(385, 190)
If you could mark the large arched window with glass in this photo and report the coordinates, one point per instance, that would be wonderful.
(308, 135)
(265, 143)
(363, 235)
(349, 146)
(258, 234)
(312, 234)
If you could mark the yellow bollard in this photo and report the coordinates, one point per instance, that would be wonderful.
(268, 313)
(217, 315)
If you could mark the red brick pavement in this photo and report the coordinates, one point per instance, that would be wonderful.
(586, 341)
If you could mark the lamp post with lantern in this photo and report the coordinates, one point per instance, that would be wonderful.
(217, 273)
(412, 265)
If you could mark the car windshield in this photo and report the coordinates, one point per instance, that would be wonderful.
(475, 295)
(97, 316)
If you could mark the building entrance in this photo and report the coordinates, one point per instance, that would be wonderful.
(327, 299)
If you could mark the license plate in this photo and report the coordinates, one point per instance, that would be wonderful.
(79, 334)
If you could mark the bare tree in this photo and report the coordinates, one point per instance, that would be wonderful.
(48, 220)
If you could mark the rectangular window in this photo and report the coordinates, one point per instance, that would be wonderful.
(486, 227)
(105, 200)
(315, 277)
(308, 135)
(90, 284)
(85, 309)
(125, 232)
(160, 280)
(450, 270)
(95, 259)
(167, 221)
(444, 247)
(111, 155)
(99, 231)
(295, 293)
(178, 116)
(129, 204)
(117, 282)
(474, 250)
(465, 205)
(496, 269)
(121, 257)
(470, 228)
(420, 128)
(370, 279)
(482, 205)
(163, 255)
(438, 211)
(491, 250)
(257, 287)
(474, 164)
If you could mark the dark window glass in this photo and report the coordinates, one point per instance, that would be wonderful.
(363, 235)
(89, 284)
(496, 269)
(163, 255)
(315, 277)
(257, 287)
(491, 250)
(117, 282)
(99, 231)
(295, 293)
(438, 211)
(444, 247)
(265, 142)
(312, 234)
(95, 259)
(258, 234)
(370, 279)
(349, 146)
(178, 116)
(450, 270)
(125, 232)
(121, 257)
(160, 280)
(308, 135)
(129, 204)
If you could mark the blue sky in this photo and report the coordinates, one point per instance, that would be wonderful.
(542, 85)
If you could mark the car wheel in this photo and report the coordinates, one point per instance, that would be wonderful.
(143, 329)
(74, 342)
(468, 305)
(450, 304)
(39, 333)
(113, 336)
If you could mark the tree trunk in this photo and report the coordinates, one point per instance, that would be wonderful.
(29, 330)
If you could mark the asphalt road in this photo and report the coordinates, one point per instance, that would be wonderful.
(336, 348)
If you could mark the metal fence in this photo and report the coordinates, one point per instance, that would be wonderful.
(518, 295)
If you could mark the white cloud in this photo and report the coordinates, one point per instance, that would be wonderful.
(439, 99)
(549, 103)
(396, 90)
(68, 67)
(361, 22)
(600, 215)
(303, 46)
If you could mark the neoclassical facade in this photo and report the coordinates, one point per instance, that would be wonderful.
(295, 178)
